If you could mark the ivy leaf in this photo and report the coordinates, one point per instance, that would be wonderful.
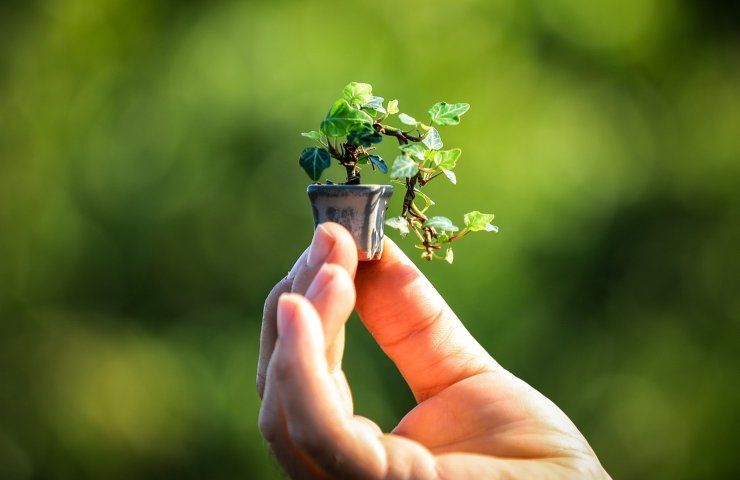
(476, 221)
(315, 160)
(363, 134)
(446, 159)
(314, 135)
(400, 224)
(413, 150)
(392, 107)
(444, 113)
(375, 104)
(449, 256)
(432, 139)
(451, 176)
(441, 223)
(358, 94)
(407, 119)
(403, 166)
(379, 163)
(341, 118)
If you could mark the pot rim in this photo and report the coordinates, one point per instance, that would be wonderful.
(339, 186)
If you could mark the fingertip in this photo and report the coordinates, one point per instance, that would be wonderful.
(344, 252)
(286, 312)
(330, 276)
(297, 319)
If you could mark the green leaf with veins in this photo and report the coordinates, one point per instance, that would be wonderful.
(315, 160)
(392, 107)
(363, 134)
(379, 163)
(407, 119)
(476, 221)
(404, 166)
(413, 150)
(341, 118)
(443, 113)
(449, 256)
(441, 223)
(432, 139)
(400, 224)
(446, 159)
(375, 104)
(358, 94)
(314, 135)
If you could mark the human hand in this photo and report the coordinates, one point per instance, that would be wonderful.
(473, 419)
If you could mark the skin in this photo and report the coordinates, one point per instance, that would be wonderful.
(473, 419)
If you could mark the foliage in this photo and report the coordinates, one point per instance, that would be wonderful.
(357, 122)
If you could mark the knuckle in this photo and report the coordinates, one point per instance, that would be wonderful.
(268, 428)
(308, 441)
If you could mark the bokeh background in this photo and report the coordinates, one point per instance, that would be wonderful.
(150, 197)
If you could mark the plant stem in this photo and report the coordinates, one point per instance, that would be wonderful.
(347, 155)
(409, 207)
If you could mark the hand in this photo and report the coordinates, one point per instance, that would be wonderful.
(473, 418)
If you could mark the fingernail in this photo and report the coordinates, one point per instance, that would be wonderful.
(285, 313)
(320, 247)
(319, 282)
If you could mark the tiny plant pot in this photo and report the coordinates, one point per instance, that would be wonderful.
(358, 208)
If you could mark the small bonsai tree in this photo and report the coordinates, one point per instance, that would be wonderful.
(357, 122)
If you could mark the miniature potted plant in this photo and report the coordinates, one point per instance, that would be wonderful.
(354, 125)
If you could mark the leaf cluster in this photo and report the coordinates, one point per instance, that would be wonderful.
(349, 133)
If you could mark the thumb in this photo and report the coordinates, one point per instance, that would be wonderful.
(414, 325)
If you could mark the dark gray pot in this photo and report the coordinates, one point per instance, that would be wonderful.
(358, 208)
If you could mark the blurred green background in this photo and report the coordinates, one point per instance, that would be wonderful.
(150, 197)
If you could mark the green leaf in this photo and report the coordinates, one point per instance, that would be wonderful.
(476, 221)
(449, 256)
(413, 150)
(451, 176)
(446, 159)
(392, 107)
(379, 163)
(444, 113)
(315, 160)
(400, 224)
(314, 135)
(341, 118)
(407, 119)
(358, 94)
(403, 166)
(441, 223)
(363, 134)
(432, 139)
(375, 104)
